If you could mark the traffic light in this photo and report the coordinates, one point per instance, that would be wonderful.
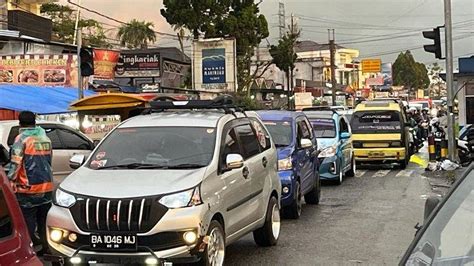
(87, 61)
(436, 47)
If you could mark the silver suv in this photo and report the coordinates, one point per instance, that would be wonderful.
(170, 186)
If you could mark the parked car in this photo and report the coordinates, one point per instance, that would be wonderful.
(16, 247)
(446, 237)
(333, 133)
(297, 159)
(65, 140)
(176, 185)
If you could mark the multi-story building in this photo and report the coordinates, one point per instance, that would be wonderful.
(312, 69)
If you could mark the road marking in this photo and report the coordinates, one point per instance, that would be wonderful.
(360, 173)
(405, 173)
(381, 173)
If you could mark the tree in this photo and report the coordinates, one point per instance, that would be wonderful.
(284, 55)
(437, 88)
(136, 34)
(409, 73)
(63, 18)
(240, 19)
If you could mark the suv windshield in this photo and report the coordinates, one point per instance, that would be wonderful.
(155, 147)
(280, 131)
(448, 240)
(324, 127)
(376, 122)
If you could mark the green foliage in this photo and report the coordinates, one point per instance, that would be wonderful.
(409, 73)
(283, 54)
(240, 19)
(243, 100)
(64, 22)
(136, 34)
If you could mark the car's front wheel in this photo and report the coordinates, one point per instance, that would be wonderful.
(294, 210)
(215, 250)
(352, 171)
(268, 234)
(313, 196)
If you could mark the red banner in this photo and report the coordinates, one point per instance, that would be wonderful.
(104, 63)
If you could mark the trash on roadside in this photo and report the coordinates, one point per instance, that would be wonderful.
(447, 165)
(433, 166)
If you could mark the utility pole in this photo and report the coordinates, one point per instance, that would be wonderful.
(292, 31)
(449, 79)
(79, 75)
(78, 15)
(281, 19)
(332, 50)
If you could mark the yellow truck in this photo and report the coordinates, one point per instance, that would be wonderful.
(380, 133)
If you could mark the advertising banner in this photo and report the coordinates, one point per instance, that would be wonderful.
(303, 100)
(371, 65)
(40, 70)
(104, 63)
(214, 65)
(387, 74)
(138, 65)
(376, 81)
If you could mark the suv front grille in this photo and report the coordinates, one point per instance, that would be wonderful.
(117, 215)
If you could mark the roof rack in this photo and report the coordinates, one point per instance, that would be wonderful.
(319, 108)
(223, 102)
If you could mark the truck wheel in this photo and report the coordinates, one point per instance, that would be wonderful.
(268, 234)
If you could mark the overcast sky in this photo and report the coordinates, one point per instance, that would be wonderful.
(395, 24)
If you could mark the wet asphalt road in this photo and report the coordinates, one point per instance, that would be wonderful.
(369, 219)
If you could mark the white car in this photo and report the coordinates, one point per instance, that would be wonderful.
(65, 140)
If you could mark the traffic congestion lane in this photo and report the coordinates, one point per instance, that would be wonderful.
(369, 219)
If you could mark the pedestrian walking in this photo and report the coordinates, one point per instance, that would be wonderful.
(31, 176)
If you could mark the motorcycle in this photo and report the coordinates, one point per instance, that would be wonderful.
(439, 136)
(415, 142)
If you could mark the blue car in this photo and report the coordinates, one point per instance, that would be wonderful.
(296, 144)
(335, 144)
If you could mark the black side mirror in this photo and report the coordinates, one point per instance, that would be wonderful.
(4, 156)
(430, 205)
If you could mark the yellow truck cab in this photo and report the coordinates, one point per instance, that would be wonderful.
(379, 132)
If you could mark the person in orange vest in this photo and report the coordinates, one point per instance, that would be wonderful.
(30, 175)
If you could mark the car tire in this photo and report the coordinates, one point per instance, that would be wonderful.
(341, 175)
(352, 171)
(403, 164)
(314, 195)
(214, 253)
(269, 233)
(294, 210)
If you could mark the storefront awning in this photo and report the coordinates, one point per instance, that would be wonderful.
(38, 99)
(108, 101)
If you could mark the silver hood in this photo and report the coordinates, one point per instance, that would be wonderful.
(130, 183)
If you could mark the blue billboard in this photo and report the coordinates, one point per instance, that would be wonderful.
(213, 66)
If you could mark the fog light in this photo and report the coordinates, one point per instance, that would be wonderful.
(75, 260)
(72, 237)
(190, 237)
(56, 235)
(285, 190)
(151, 261)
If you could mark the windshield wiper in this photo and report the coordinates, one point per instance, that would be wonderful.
(185, 166)
(134, 166)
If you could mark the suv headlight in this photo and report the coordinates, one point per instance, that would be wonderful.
(285, 164)
(64, 199)
(328, 152)
(188, 198)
